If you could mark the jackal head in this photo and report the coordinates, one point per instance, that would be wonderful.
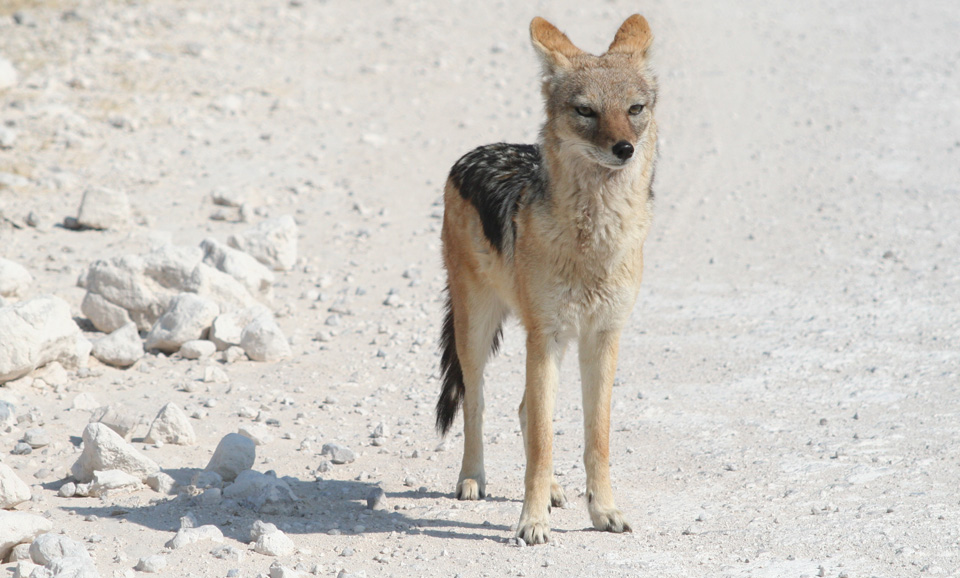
(599, 108)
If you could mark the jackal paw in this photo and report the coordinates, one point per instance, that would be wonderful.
(610, 520)
(470, 489)
(558, 499)
(533, 531)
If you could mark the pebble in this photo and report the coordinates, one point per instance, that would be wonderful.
(8, 74)
(15, 280)
(117, 418)
(263, 340)
(279, 571)
(228, 553)
(37, 331)
(213, 374)
(122, 348)
(48, 548)
(18, 527)
(171, 426)
(274, 543)
(233, 354)
(339, 454)
(376, 499)
(104, 449)
(162, 483)
(234, 454)
(103, 208)
(273, 242)
(245, 268)
(187, 536)
(151, 564)
(106, 481)
(67, 490)
(188, 317)
(13, 490)
(8, 415)
(197, 349)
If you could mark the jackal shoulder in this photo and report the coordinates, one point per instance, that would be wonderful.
(496, 179)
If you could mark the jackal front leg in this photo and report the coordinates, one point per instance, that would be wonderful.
(598, 366)
(543, 360)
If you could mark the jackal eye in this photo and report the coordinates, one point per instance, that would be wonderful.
(585, 111)
(635, 109)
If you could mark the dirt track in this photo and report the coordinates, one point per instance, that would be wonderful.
(788, 388)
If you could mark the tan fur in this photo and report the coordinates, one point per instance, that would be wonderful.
(573, 271)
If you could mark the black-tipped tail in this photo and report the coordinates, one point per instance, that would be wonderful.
(451, 374)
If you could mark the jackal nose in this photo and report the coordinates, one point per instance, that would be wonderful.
(623, 150)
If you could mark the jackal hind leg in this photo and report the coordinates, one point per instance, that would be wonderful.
(477, 323)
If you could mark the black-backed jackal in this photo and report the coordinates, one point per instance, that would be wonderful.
(554, 233)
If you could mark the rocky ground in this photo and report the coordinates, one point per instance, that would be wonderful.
(788, 392)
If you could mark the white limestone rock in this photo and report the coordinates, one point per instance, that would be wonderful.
(197, 349)
(122, 348)
(117, 418)
(13, 490)
(171, 426)
(234, 454)
(47, 548)
(104, 449)
(36, 332)
(187, 536)
(254, 275)
(105, 316)
(188, 317)
(263, 340)
(8, 74)
(18, 528)
(103, 208)
(227, 328)
(264, 493)
(15, 279)
(109, 481)
(273, 242)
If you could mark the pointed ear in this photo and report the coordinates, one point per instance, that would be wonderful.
(553, 46)
(633, 38)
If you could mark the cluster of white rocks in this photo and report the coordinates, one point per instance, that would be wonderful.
(193, 300)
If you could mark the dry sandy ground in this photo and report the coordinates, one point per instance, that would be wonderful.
(789, 390)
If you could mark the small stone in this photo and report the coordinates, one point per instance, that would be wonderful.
(272, 242)
(47, 548)
(18, 527)
(36, 437)
(258, 433)
(213, 374)
(104, 449)
(15, 280)
(36, 332)
(233, 354)
(171, 426)
(274, 544)
(117, 418)
(13, 490)
(339, 454)
(376, 499)
(410, 481)
(197, 349)
(8, 74)
(251, 273)
(105, 316)
(263, 340)
(279, 571)
(107, 481)
(188, 317)
(228, 553)
(207, 479)
(187, 536)
(21, 449)
(85, 402)
(103, 208)
(151, 564)
(234, 454)
(67, 490)
(122, 348)
(161, 482)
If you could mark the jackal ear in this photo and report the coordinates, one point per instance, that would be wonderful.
(633, 38)
(553, 46)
